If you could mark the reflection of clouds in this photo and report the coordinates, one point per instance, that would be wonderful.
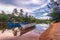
(41, 27)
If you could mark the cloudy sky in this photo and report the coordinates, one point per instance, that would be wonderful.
(31, 6)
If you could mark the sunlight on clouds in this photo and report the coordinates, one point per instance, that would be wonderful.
(9, 8)
(55, 0)
(35, 1)
(24, 4)
(38, 2)
(45, 14)
(48, 1)
(6, 8)
(44, 17)
(27, 5)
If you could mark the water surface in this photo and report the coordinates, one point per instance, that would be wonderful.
(40, 28)
(33, 35)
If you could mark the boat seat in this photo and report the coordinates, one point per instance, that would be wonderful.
(13, 25)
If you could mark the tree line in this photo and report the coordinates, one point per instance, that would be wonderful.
(18, 16)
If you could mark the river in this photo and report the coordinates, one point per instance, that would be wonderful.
(31, 35)
(41, 27)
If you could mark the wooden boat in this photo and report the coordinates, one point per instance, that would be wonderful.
(26, 28)
(23, 28)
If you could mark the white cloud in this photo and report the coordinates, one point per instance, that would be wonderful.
(45, 14)
(36, 1)
(24, 5)
(55, 0)
(9, 8)
(6, 7)
(48, 1)
(25, 2)
(44, 17)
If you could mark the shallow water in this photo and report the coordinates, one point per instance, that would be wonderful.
(40, 28)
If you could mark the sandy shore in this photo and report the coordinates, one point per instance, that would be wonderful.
(52, 33)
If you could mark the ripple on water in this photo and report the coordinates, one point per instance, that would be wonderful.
(41, 28)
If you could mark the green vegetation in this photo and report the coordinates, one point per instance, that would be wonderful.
(55, 16)
(4, 17)
(42, 21)
(20, 18)
(56, 13)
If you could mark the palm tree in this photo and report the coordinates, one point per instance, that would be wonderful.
(3, 12)
(21, 13)
(14, 11)
(26, 15)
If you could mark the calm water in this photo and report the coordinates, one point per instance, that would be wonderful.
(41, 27)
